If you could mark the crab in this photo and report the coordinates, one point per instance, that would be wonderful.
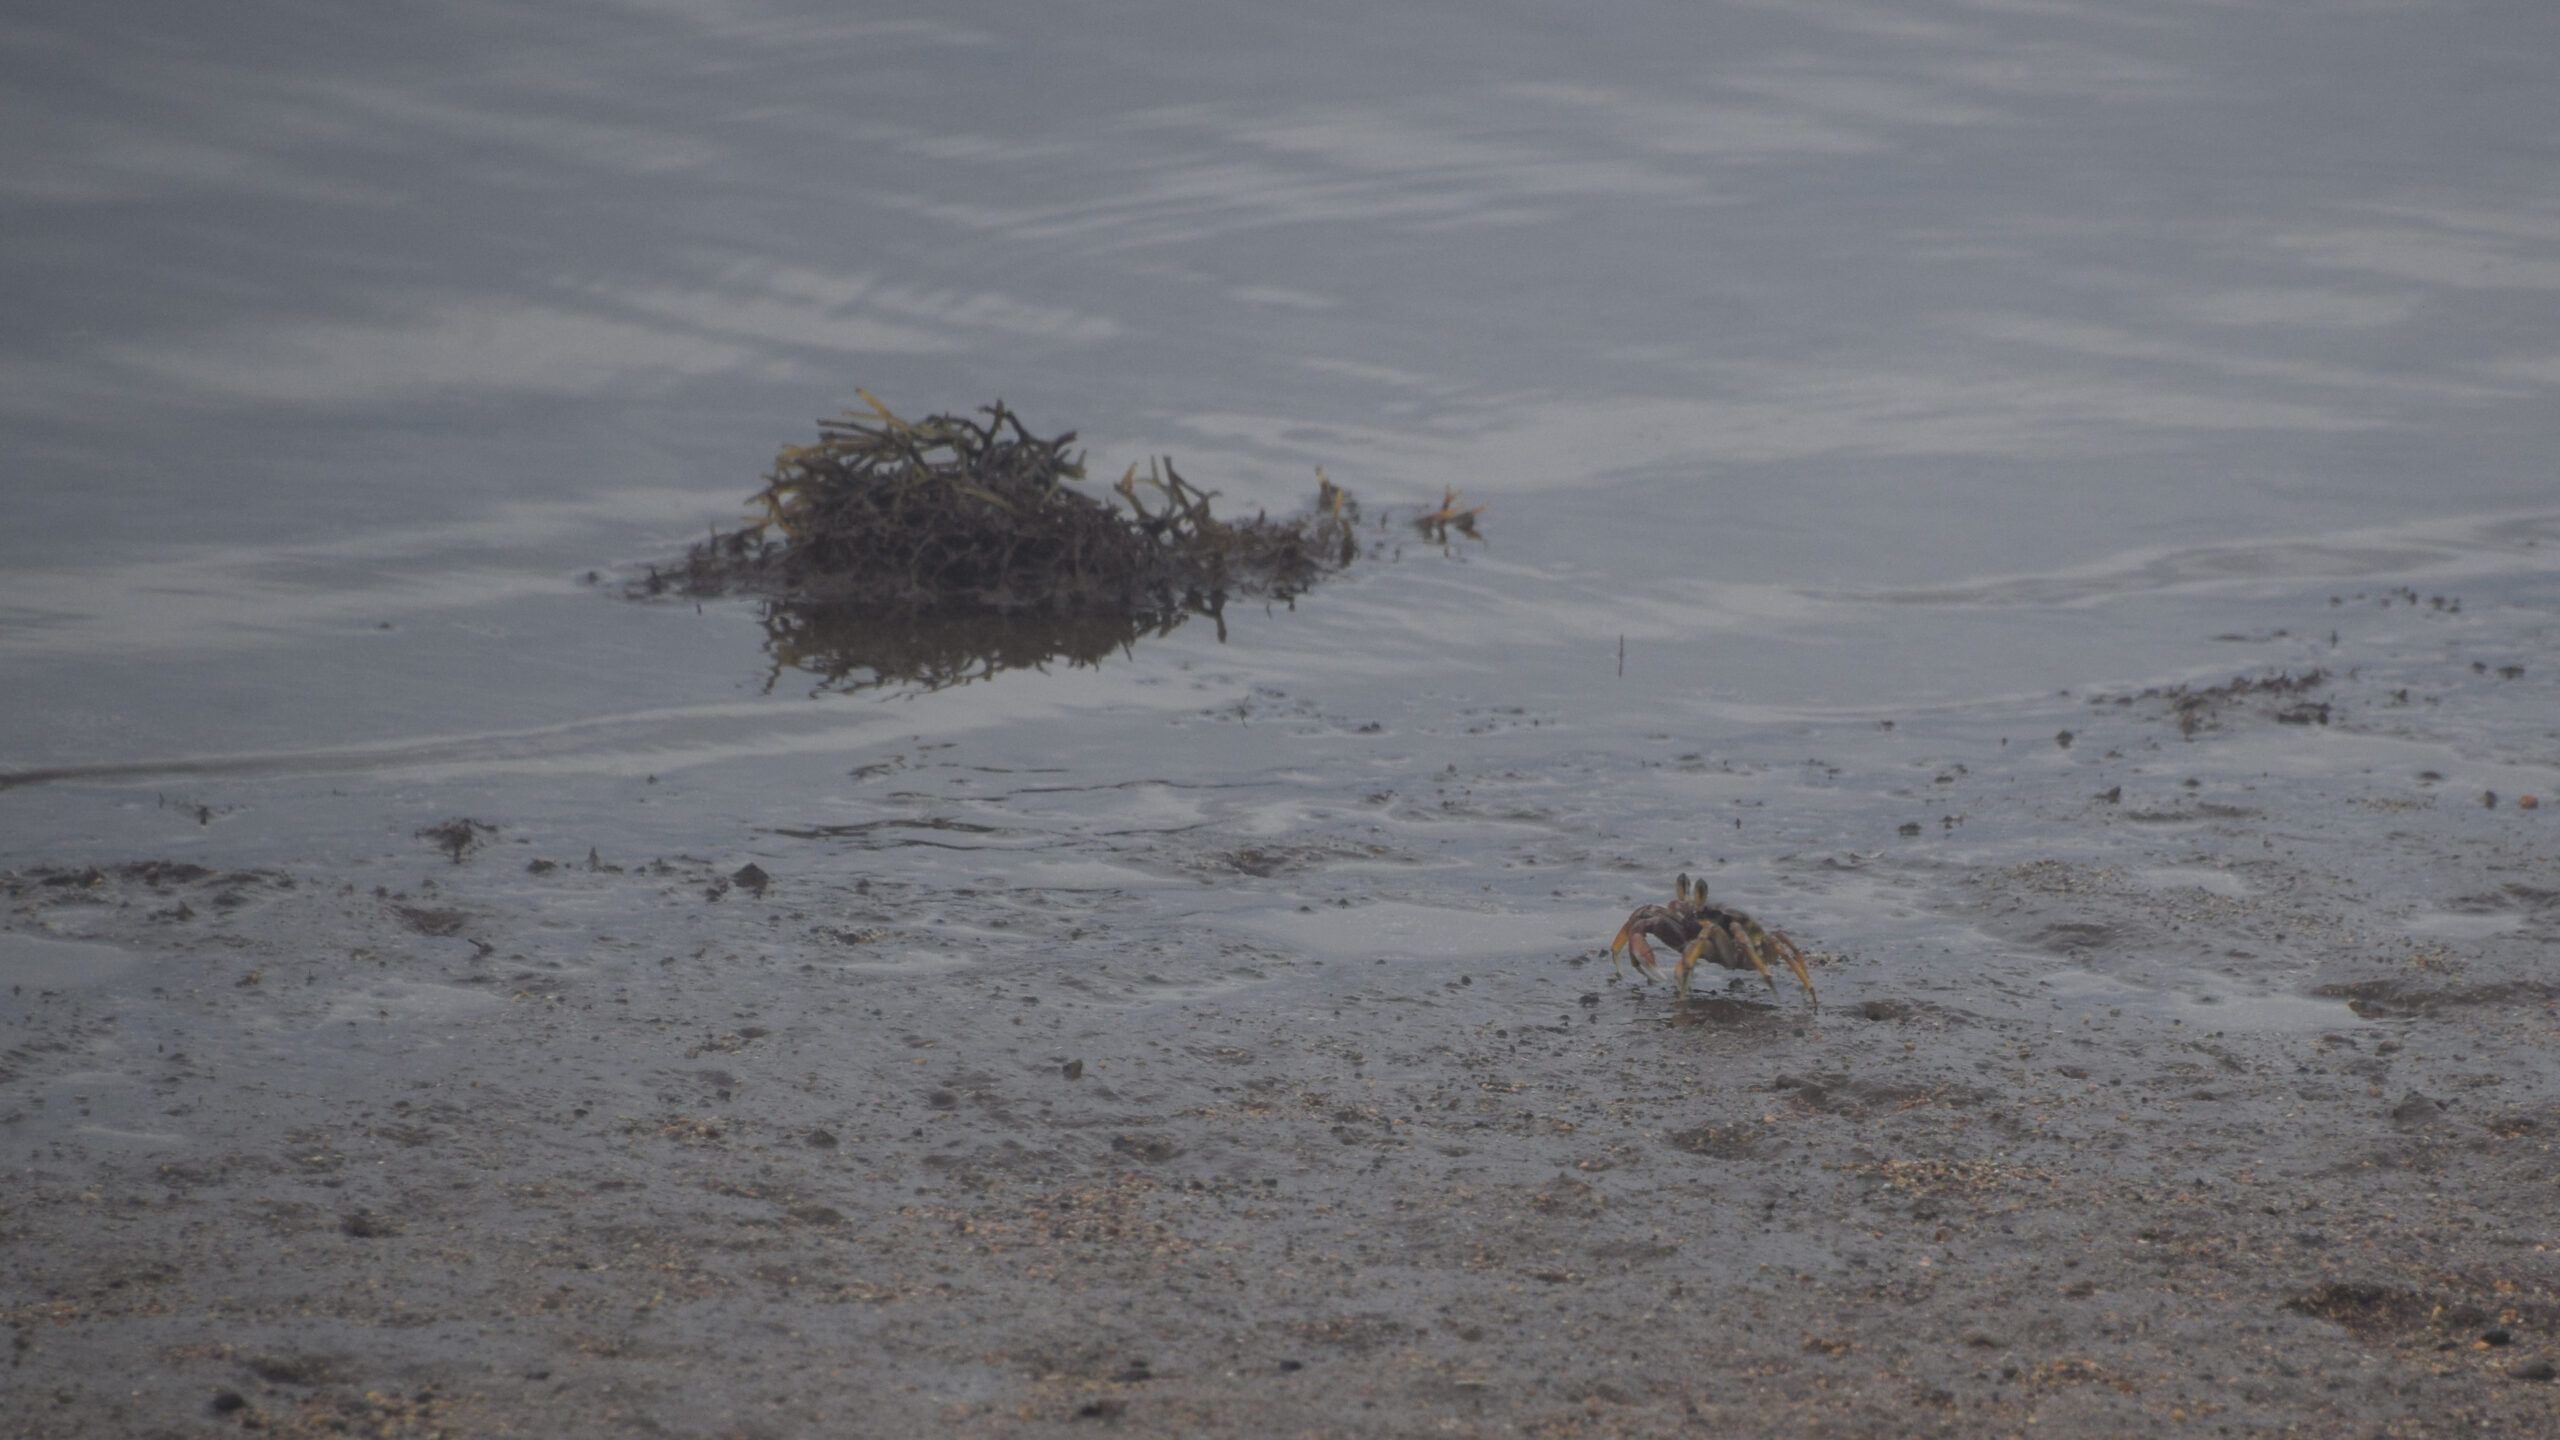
(1705, 932)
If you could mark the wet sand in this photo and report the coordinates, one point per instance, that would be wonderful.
(2204, 1099)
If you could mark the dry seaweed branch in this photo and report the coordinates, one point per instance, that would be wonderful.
(1436, 524)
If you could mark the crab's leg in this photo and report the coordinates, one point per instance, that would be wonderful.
(1714, 939)
(1735, 942)
(1689, 960)
(1778, 941)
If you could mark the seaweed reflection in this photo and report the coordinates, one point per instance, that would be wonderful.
(849, 648)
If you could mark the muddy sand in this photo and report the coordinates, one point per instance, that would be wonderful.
(2224, 1104)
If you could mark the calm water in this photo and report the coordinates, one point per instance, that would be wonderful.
(1850, 362)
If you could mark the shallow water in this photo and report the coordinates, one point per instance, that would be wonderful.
(1831, 355)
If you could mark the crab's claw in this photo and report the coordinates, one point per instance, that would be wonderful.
(1631, 939)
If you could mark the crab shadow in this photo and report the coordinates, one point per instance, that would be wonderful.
(1733, 1012)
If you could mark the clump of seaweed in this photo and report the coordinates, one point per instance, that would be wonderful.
(962, 515)
(939, 551)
